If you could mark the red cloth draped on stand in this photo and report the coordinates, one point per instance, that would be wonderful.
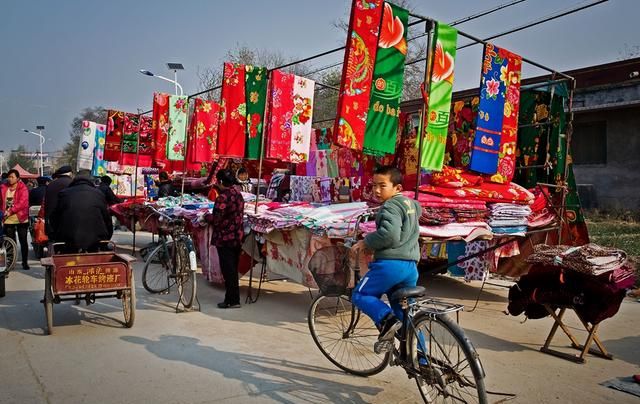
(233, 121)
(160, 129)
(203, 131)
(281, 110)
(113, 137)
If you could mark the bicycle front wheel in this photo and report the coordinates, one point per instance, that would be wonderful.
(11, 251)
(345, 335)
(185, 277)
(156, 275)
(448, 366)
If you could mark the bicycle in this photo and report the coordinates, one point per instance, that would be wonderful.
(430, 347)
(172, 262)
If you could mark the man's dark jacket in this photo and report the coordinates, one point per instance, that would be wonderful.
(82, 218)
(111, 198)
(51, 201)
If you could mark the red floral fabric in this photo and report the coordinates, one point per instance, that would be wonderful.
(130, 139)
(113, 137)
(203, 131)
(233, 122)
(487, 191)
(357, 74)
(160, 129)
(280, 114)
(145, 145)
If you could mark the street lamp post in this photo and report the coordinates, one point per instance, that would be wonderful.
(40, 128)
(172, 66)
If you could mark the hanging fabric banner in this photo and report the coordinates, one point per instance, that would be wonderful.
(177, 127)
(291, 112)
(160, 128)
(486, 145)
(146, 141)
(441, 88)
(509, 139)
(388, 75)
(99, 165)
(113, 137)
(203, 131)
(357, 73)
(233, 122)
(86, 146)
(256, 98)
(130, 139)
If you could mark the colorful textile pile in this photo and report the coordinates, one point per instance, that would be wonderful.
(541, 213)
(437, 210)
(291, 113)
(590, 259)
(99, 165)
(113, 136)
(87, 145)
(509, 218)
(357, 73)
(203, 131)
(441, 88)
(487, 191)
(177, 136)
(310, 189)
(388, 76)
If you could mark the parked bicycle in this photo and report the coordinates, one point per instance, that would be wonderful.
(172, 261)
(430, 346)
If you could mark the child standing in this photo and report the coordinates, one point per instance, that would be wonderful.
(395, 252)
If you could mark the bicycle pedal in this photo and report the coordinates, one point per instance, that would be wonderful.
(381, 347)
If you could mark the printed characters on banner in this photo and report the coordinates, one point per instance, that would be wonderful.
(486, 145)
(99, 165)
(113, 137)
(357, 73)
(233, 112)
(441, 89)
(86, 146)
(388, 76)
(178, 105)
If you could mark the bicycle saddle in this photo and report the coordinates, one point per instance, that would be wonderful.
(414, 291)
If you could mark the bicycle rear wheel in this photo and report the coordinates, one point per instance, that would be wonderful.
(158, 267)
(345, 335)
(185, 277)
(448, 365)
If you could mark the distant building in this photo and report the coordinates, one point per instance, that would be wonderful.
(606, 136)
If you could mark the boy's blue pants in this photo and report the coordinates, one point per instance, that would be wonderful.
(384, 276)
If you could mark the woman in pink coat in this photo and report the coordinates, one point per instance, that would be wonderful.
(15, 212)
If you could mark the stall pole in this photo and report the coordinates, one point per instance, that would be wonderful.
(428, 28)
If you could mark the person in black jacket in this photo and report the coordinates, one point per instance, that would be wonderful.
(105, 188)
(81, 217)
(62, 179)
(165, 187)
(36, 195)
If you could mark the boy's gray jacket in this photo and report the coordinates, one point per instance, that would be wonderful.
(397, 231)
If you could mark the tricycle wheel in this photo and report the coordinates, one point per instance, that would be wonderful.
(48, 300)
(129, 303)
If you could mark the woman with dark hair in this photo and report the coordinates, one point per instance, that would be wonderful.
(165, 187)
(227, 233)
(15, 209)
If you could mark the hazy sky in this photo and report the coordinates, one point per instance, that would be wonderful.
(61, 56)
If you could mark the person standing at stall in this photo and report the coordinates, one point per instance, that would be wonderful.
(15, 208)
(227, 234)
(62, 179)
(105, 188)
(165, 187)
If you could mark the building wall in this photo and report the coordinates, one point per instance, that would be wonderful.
(614, 184)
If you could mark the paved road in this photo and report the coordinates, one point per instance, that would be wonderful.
(263, 352)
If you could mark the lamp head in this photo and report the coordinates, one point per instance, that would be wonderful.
(146, 72)
(25, 131)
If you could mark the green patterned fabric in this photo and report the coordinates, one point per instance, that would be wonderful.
(177, 127)
(388, 76)
(441, 89)
(256, 96)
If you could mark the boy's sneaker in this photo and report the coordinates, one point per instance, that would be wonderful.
(388, 328)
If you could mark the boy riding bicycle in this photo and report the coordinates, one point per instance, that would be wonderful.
(395, 252)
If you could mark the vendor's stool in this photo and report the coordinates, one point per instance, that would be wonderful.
(592, 337)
